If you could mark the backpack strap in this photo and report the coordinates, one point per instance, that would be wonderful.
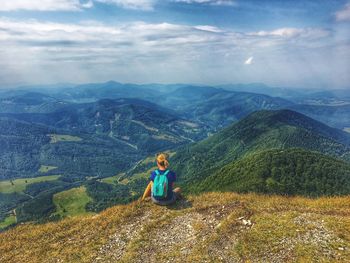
(158, 173)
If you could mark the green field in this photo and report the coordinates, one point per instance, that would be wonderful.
(46, 168)
(72, 202)
(10, 220)
(19, 185)
(145, 174)
(111, 180)
(63, 138)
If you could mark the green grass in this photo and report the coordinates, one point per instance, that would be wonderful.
(10, 220)
(145, 174)
(19, 185)
(63, 138)
(46, 168)
(71, 202)
(111, 180)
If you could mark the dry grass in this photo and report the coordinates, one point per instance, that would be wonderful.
(205, 228)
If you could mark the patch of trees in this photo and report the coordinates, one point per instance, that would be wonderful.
(106, 195)
(291, 172)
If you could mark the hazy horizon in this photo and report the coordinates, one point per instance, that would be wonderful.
(31, 86)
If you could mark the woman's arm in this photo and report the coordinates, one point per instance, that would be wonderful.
(147, 192)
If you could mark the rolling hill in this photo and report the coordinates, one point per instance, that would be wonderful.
(27, 146)
(290, 171)
(337, 116)
(218, 107)
(258, 132)
(30, 102)
(137, 123)
(214, 106)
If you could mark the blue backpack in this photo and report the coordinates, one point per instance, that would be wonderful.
(160, 185)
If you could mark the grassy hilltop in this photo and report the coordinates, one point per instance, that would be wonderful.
(212, 227)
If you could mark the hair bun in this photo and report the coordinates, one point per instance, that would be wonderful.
(162, 159)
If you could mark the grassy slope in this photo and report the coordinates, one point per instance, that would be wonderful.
(71, 202)
(258, 132)
(63, 138)
(111, 180)
(46, 168)
(290, 171)
(207, 228)
(10, 220)
(19, 185)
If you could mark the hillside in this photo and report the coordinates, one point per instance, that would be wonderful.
(290, 171)
(29, 102)
(223, 107)
(214, 227)
(259, 131)
(140, 124)
(20, 146)
(28, 146)
(334, 115)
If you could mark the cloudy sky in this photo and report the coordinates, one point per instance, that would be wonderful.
(293, 43)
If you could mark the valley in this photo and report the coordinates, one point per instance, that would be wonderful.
(83, 149)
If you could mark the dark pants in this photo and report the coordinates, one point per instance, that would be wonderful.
(164, 202)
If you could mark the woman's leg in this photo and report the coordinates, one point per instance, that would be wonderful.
(147, 192)
(177, 192)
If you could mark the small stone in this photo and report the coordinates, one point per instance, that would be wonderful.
(247, 222)
(341, 248)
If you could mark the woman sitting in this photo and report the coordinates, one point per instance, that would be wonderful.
(161, 185)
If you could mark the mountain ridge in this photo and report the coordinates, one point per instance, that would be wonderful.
(259, 131)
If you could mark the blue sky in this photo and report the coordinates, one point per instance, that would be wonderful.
(279, 43)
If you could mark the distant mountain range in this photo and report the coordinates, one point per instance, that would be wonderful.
(216, 106)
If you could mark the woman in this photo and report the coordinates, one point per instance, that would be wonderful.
(164, 177)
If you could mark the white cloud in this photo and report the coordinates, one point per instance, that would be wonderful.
(207, 28)
(344, 14)
(76, 5)
(209, 2)
(249, 61)
(131, 4)
(287, 32)
(44, 5)
(71, 5)
(37, 51)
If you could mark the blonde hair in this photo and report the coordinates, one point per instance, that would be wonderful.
(162, 159)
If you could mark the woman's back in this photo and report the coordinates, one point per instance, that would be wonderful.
(171, 176)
